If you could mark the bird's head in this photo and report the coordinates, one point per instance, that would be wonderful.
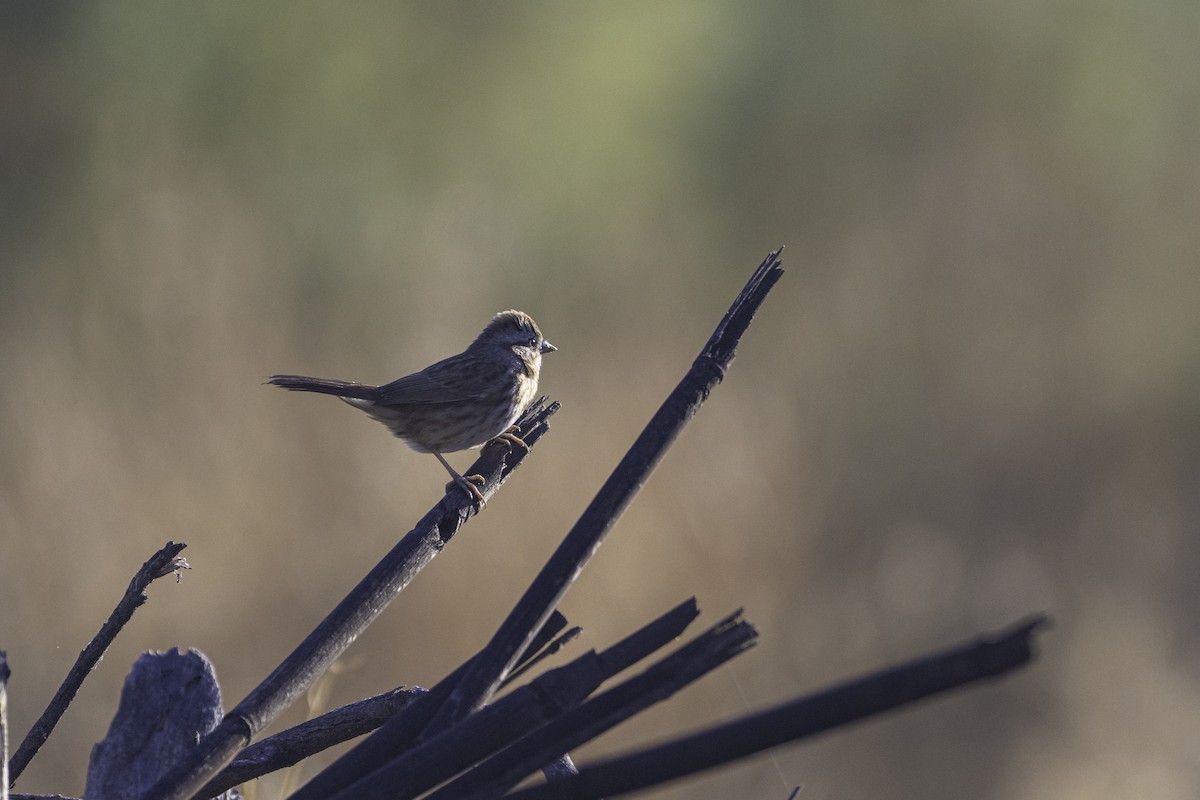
(516, 331)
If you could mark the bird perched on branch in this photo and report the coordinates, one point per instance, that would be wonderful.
(458, 403)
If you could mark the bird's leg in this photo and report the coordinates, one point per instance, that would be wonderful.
(510, 437)
(467, 484)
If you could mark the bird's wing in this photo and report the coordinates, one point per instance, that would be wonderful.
(443, 382)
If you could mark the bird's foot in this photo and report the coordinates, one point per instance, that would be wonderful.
(470, 484)
(510, 439)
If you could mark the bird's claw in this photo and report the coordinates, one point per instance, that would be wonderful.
(510, 439)
(471, 484)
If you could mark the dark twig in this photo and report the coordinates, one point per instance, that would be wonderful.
(418, 709)
(4, 673)
(989, 656)
(728, 638)
(388, 765)
(394, 736)
(165, 562)
(614, 496)
(548, 651)
(344, 624)
(546, 638)
(291, 746)
(295, 744)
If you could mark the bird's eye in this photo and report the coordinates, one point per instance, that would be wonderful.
(533, 343)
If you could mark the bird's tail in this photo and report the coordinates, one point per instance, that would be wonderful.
(350, 389)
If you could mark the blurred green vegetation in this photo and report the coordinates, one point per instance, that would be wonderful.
(973, 396)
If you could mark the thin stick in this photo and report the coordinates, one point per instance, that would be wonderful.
(614, 496)
(4, 673)
(545, 653)
(164, 562)
(295, 744)
(989, 656)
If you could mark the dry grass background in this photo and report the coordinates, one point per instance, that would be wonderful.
(973, 395)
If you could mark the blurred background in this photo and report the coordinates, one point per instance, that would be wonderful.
(973, 396)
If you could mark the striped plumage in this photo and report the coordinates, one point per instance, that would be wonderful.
(461, 402)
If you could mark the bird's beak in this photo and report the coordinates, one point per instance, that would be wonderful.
(547, 347)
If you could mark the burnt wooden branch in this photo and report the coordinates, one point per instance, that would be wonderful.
(548, 638)
(295, 744)
(344, 624)
(614, 496)
(419, 699)
(431, 762)
(4, 674)
(725, 640)
(986, 657)
(165, 562)
(390, 759)
(550, 649)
